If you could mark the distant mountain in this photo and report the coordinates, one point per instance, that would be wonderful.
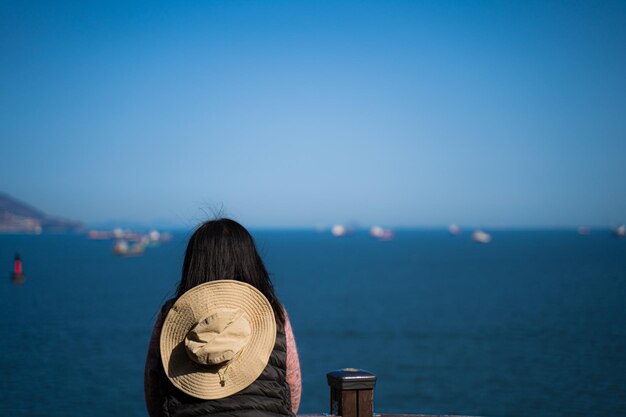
(19, 217)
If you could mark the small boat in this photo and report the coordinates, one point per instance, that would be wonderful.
(339, 230)
(380, 233)
(122, 248)
(454, 230)
(620, 231)
(481, 237)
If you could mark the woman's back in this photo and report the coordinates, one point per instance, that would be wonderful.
(204, 356)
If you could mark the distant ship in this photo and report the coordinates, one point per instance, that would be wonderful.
(122, 248)
(380, 233)
(454, 230)
(99, 235)
(481, 237)
(620, 231)
(583, 230)
(339, 230)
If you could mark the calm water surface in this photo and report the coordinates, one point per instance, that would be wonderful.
(533, 324)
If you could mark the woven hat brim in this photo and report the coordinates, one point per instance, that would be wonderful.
(203, 381)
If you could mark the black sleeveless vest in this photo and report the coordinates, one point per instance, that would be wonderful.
(268, 396)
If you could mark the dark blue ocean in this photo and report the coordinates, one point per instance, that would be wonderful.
(532, 324)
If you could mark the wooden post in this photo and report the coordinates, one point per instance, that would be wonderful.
(351, 392)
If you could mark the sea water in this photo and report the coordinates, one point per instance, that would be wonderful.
(532, 324)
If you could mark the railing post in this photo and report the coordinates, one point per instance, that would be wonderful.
(351, 392)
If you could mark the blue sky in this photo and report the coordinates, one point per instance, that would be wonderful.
(307, 113)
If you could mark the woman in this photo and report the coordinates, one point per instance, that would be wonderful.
(217, 354)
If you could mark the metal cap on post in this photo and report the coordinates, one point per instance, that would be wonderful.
(351, 392)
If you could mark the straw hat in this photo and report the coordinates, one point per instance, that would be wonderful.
(217, 339)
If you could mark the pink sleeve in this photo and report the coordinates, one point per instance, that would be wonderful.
(294, 379)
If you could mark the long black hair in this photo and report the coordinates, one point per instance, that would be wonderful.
(223, 249)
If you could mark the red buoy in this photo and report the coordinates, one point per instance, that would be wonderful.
(17, 269)
(18, 273)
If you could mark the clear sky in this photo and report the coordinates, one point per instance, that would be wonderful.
(400, 113)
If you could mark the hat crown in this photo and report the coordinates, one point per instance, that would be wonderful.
(186, 345)
(218, 337)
